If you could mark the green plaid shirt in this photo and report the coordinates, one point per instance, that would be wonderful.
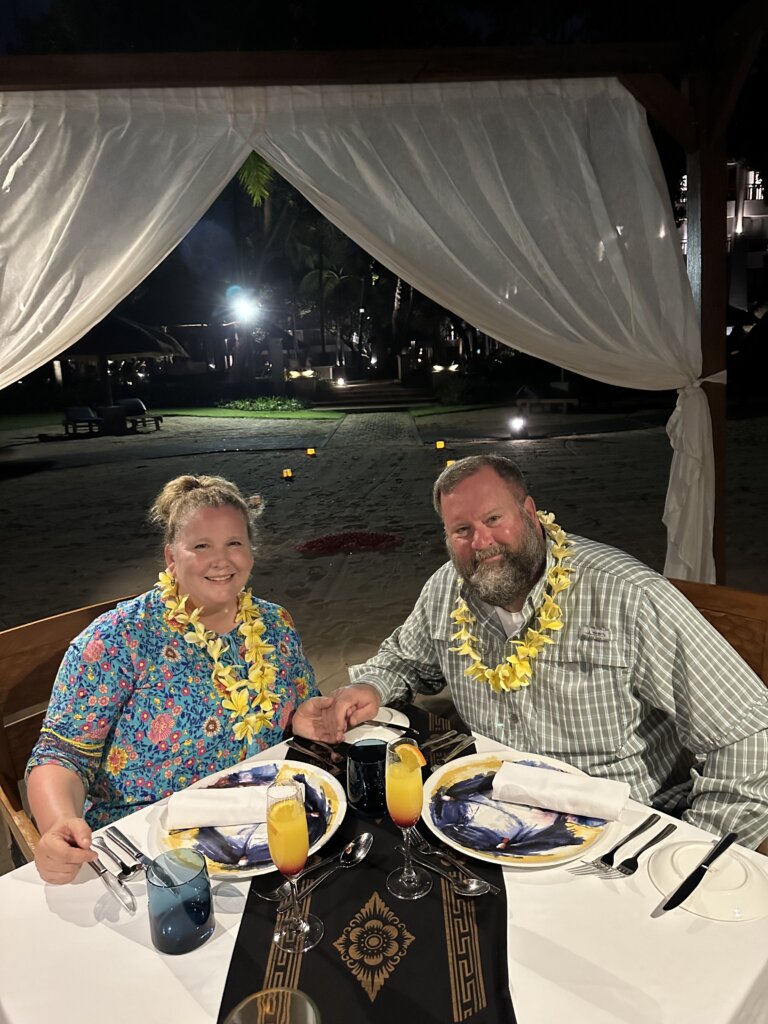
(638, 686)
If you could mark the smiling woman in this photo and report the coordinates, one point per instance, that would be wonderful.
(170, 686)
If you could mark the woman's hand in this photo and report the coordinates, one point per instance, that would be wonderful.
(63, 850)
(328, 718)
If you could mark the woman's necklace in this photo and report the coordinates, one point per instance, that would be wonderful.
(250, 701)
(516, 671)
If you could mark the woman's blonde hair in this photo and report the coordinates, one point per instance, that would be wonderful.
(186, 494)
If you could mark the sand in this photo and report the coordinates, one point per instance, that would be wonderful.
(75, 532)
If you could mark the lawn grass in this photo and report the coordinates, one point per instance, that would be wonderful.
(37, 420)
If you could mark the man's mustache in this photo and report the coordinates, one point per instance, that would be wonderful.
(492, 552)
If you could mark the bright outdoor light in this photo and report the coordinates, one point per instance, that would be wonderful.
(517, 424)
(437, 368)
(340, 382)
(374, 360)
(246, 310)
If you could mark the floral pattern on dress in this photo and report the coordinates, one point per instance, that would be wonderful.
(134, 712)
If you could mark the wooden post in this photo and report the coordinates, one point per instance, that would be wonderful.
(708, 273)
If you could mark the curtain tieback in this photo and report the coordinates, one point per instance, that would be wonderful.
(715, 378)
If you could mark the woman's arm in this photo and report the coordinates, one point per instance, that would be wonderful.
(56, 797)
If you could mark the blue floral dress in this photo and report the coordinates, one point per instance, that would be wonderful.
(134, 712)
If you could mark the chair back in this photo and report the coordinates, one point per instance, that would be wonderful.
(30, 656)
(132, 406)
(741, 616)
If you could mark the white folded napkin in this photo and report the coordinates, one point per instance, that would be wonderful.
(196, 808)
(560, 791)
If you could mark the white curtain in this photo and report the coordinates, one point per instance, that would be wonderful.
(96, 188)
(536, 211)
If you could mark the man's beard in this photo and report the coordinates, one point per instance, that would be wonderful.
(510, 580)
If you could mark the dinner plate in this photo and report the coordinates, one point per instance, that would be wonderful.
(386, 716)
(459, 809)
(240, 851)
(733, 889)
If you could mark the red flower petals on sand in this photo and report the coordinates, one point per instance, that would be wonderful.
(347, 543)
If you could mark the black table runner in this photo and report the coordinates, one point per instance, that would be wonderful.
(442, 958)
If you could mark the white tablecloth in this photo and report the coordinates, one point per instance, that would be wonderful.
(582, 950)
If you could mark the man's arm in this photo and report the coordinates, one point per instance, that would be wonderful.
(720, 710)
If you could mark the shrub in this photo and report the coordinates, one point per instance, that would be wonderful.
(277, 403)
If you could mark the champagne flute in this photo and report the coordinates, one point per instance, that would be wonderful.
(288, 840)
(405, 795)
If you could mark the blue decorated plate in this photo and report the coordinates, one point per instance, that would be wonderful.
(240, 851)
(459, 809)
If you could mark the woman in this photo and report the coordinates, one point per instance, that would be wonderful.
(189, 678)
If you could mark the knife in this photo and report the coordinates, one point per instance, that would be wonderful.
(686, 887)
(122, 840)
(117, 889)
(385, 725)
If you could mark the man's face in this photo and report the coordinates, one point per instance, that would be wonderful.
(495, 542)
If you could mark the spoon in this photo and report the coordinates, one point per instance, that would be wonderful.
(282, 891)
(461, 886)
(351, 855)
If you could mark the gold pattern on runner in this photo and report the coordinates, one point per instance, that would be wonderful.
(373, 944)
(465, 966)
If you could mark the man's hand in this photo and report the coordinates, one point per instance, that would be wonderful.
(63, 849)
(328, 718)
(763, 848)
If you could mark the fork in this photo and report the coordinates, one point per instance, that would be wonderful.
(630, 866)
(420, 844)
(605, 863)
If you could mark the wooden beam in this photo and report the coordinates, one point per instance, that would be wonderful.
(667, 105)
(297, 67)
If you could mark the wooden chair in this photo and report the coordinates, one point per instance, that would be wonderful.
(30, 656)
(740, 615)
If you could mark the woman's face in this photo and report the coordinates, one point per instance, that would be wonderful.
(211, 558)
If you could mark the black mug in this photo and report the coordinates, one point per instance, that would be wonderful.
(366, 767)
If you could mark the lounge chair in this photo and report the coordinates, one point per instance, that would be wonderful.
(136, 413)
(77, 416)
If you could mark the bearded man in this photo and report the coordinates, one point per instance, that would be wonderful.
(558, 645)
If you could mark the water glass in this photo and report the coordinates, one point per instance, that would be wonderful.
(366, 768)
(275, 1006)
(180, 906)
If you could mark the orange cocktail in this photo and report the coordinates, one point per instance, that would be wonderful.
(405, 794)
(288, 839)
(287, 836)
(405, 791)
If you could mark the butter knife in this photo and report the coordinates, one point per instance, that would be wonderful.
(686, 887)
(117, 889)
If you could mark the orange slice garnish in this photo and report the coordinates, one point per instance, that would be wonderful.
(411, 756)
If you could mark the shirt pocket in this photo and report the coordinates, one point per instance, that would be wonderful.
(584, 701)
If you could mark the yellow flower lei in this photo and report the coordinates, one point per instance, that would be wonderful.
(515, 671)
(251, 713)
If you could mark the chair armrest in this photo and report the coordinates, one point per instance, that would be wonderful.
(24, 832)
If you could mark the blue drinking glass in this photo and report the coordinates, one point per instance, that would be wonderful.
(180, 904)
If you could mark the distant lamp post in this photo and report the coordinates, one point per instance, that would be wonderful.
(517, 426)
(246, 309)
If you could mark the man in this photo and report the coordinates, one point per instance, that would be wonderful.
(562, 646)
